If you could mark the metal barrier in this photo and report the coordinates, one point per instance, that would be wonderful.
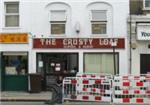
(87, 88)
(107, 88)
(131, 89)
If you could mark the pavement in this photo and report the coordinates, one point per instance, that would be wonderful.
(10, 96)
(25, 96)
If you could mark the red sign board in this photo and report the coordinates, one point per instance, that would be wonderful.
(78, 43)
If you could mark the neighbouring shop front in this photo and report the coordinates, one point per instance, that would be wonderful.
(141, 49)
(14, 64)
(63, 56)
(15, 70)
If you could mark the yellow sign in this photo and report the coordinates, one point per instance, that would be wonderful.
(13, 38)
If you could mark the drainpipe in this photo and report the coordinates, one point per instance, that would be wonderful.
(130, 42)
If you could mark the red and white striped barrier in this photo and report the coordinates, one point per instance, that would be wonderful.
(87, 89)
(94, 75)
(131, 89)
(107, 88)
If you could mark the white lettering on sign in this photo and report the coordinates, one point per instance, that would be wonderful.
(107, 41)
(70, 42)
(74, 42)
(48, 42)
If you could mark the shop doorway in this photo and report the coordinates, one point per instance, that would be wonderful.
(54, 65)
(145, 63)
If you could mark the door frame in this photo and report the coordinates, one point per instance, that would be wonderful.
(143, 54)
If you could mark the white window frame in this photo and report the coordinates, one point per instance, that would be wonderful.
(58, 22)
(99, 22)
(11, 14)
(145, 8)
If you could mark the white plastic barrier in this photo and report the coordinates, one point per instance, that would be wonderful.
(107, 88)
(131, 89)
(87, 88)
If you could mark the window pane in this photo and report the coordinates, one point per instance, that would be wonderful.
(147, 3)
(57, 16)
(98, 28)
(57, 28)
(16, 65)
(100, 63)
(12, 21)
(12, 8)
(92, 63)
(98, 15)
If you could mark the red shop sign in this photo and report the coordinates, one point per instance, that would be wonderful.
(78, 43)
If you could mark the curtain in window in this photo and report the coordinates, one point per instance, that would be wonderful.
(100, 63)
(98, 15)
(12, 20)
(92, 63)
(12, 8)
(57, 15)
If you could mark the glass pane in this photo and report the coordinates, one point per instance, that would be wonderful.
(12, 8)
(16, 65)
(57, 28)
(98, 15)
(12, 21)
(57, 16)
(100, 63)
(93, 63)
(98, 28)
(147, 3)
(108, 63)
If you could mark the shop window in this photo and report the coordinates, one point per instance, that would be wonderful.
(15, 64)
(57, 63)
(146, 4)
(11, 14)
(57, 22)
(100, 63)
(99, 22)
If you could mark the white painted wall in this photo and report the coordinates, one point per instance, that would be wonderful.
(142, 48)
(34, 19)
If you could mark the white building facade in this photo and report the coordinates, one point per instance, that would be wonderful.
(139, 35)
(53, 38)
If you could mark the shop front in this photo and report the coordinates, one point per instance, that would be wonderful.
(67, 56)
(141, 50)
(14, 62)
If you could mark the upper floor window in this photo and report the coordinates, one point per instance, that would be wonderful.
(99, 22)
(11, 14)
(147, 4)
(58, 22)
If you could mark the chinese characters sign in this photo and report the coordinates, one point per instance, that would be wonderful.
(13, 38)
(78, 43)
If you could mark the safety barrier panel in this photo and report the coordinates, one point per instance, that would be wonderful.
(95, 75)
(87, 88)
(107, 88)
(131, 89)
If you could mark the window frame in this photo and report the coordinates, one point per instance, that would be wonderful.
(58, 22)
(117, 55)
(99, 22)
(144, 6)
(11, 14)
